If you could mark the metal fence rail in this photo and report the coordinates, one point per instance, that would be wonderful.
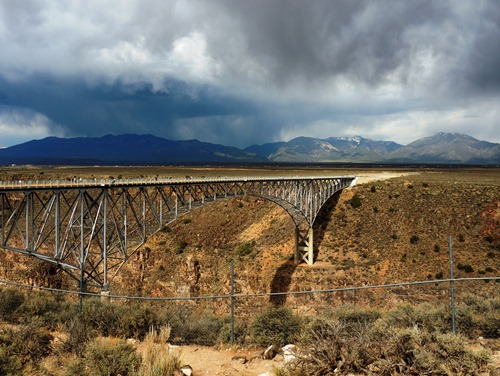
(240, 309)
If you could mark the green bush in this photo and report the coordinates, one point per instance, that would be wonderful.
(45, 308)
(181, 247)
(102, 316)
(414, 239)
(103, 358)
(245, 249)
(355, 201)
(275, 326)
(191, 327)
(352, 316)
(240, 333)
(136, 321)
(10, 301)
(79, 334)
(465, 267)
(29, 344)
(10, 364)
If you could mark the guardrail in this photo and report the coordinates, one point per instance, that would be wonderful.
(72, 183)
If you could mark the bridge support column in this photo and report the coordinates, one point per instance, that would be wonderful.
(304, 250)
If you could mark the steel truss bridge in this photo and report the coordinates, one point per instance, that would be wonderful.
(89, 228)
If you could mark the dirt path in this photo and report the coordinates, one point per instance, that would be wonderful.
(230, 362)
(366, 177)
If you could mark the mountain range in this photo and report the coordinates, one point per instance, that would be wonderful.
(130, 149)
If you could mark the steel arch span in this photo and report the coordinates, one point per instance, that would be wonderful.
(90, 228)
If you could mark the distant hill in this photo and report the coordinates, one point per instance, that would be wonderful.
(333, 149)
(122, 150)
(451, 148)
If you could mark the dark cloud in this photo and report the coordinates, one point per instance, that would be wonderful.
(313, 40)
(241, 72)
(89, 110)
(482, 61)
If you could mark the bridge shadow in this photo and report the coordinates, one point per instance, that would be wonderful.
(280, 284)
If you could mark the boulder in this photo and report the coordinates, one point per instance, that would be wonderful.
(289, 353)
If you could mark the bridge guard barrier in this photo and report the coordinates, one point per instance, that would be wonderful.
(304, 246)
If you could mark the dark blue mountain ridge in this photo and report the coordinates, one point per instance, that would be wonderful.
(125, 149)
(131, 149)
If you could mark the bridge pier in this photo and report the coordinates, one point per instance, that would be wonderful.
(304, 250)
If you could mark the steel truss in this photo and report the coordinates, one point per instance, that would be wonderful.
(90, 230)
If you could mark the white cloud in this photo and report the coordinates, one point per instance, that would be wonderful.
(20, 125)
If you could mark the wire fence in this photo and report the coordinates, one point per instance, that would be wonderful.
(466, 306)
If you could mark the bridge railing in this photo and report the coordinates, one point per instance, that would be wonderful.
(110, 182)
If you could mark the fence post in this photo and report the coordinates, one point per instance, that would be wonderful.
(452, 287)
(232, 302)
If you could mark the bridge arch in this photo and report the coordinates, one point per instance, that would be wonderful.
(90, 228)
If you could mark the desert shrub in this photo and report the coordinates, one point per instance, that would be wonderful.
(452, 354)
(102, 316)
(245, 249)
(355, 201)
(432, 318)
(439, 275)
(156, 357)
(465, 267)
(159, 362)
(334, 348)
(461, 238)
(136, 321)
(45, 308)
(10, 364)
(373, 189)
(436, 248)
(28, 343)
(352, 316)
(79, 334)
(396, 351)
(394, 236)
(414, 239)
(190, 327)
(489, 238)
(107, 358)
(275, 326)
(240, 333)
(476, 316)
(181, 247)
(10, 301)
(123, 321)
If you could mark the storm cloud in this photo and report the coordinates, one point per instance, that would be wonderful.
(244, 72)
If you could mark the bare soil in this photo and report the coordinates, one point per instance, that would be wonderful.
(226, 362)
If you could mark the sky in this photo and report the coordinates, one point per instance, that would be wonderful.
(239, 72)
